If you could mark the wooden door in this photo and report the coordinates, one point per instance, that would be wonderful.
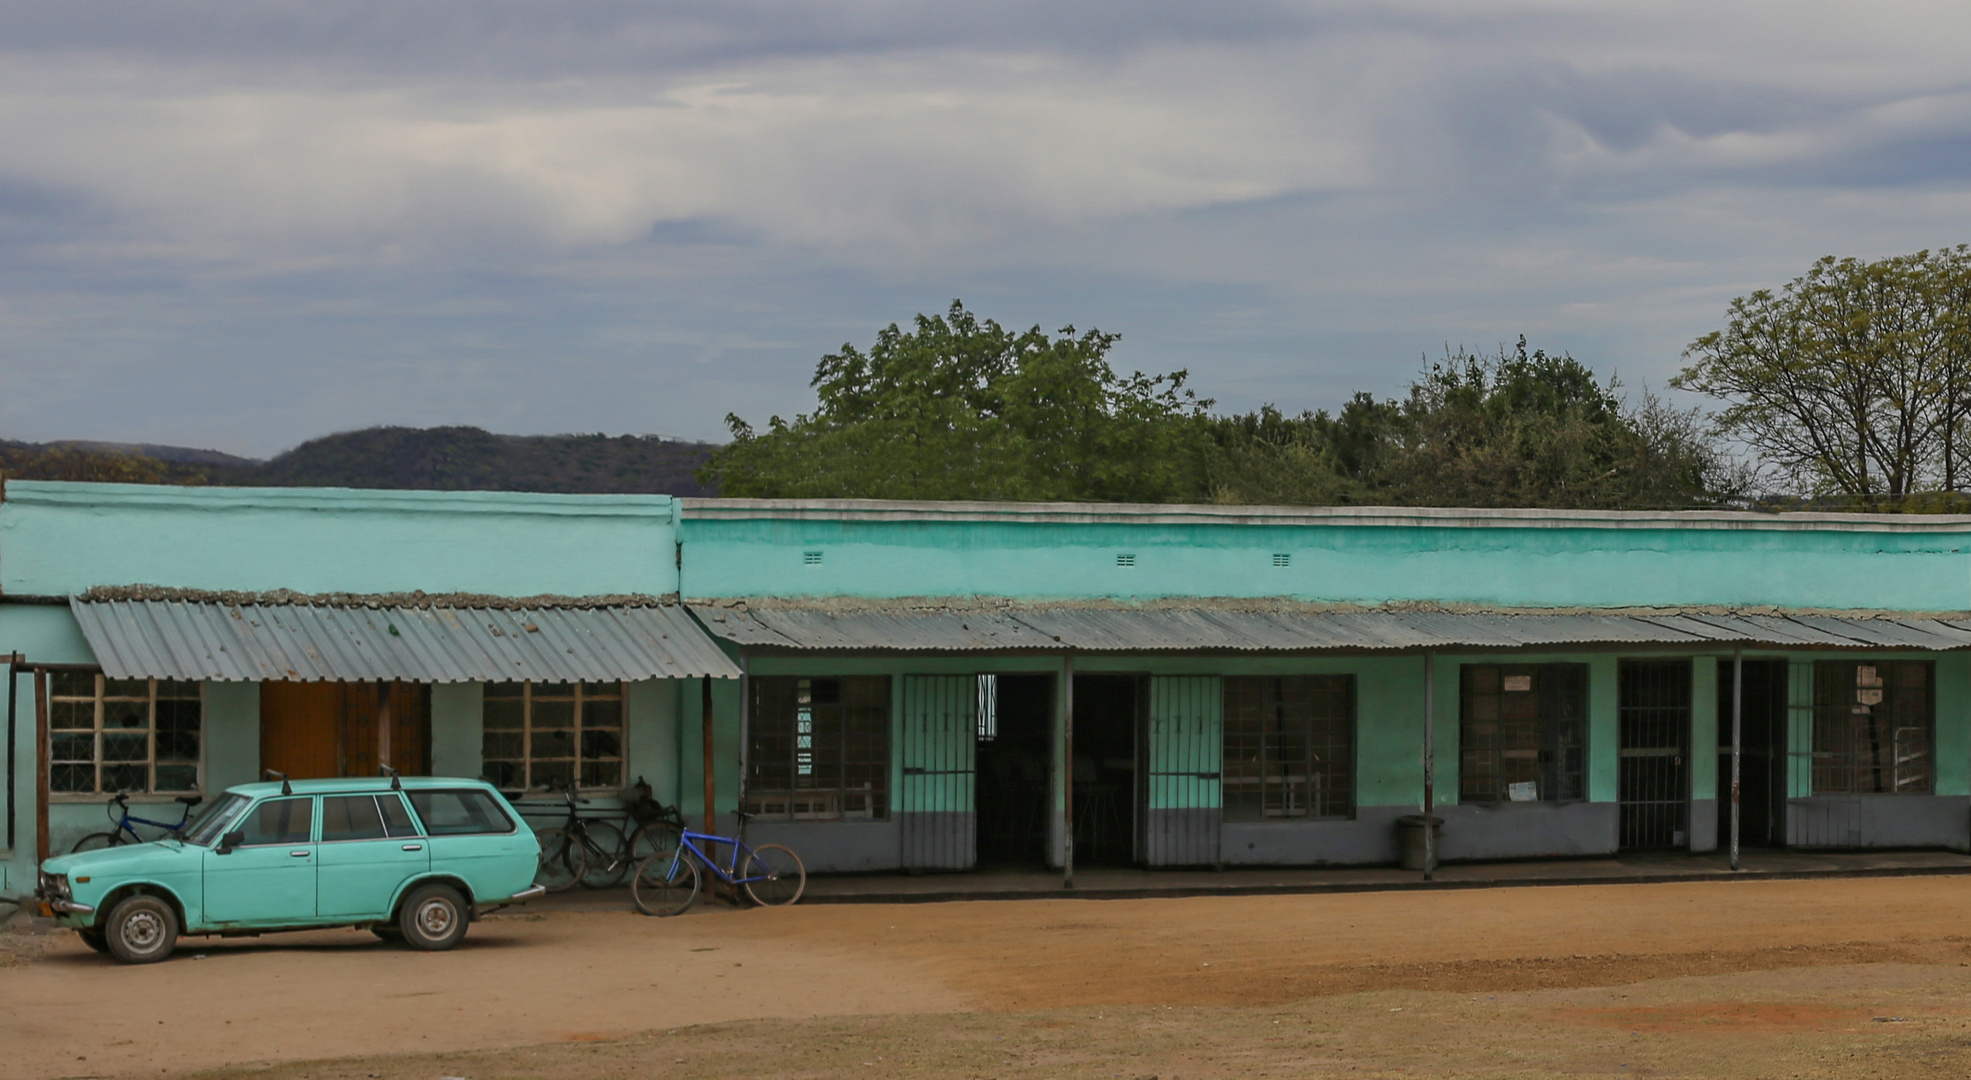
(310, 730)
(301, 728)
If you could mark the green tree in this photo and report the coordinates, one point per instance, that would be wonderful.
(1521, 428)
(1853, 380)
(961, 408)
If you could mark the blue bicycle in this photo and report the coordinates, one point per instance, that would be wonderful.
(668, 882)
(125, 831)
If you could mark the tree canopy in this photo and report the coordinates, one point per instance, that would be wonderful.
(1853, 380)
(959, 407)
(1519, 428)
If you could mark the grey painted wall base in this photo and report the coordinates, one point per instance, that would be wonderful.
(937, 839)
(1369, 838)
(1528, 830)
(1704, 817)
(835, 847)
(1866, 821)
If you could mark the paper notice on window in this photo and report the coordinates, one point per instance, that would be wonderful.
(1525, 791)
(1866, 675)
(1869, 697)
(1519, 684)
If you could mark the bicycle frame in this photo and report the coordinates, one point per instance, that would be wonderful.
(687, 842)
(128, 819)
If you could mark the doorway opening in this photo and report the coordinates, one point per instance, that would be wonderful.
(1015, 764)
(312, 730)
(1107, 720)
(1653, 779)
(1762, 755)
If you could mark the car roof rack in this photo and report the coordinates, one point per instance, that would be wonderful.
(275, 774)
(396, 780)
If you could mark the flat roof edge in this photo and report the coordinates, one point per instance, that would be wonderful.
(704, 509)
(86, 494)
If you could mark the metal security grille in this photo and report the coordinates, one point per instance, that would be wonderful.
(1289, 747)
(1522, 732)
(1186, 714)
(1653, 781)
(935, 793)
(819, 749)
(1872, 727)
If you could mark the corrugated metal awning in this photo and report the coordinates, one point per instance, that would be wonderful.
(172, 639)
(1167, 628)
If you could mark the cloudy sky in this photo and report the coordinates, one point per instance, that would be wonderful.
(241, 226)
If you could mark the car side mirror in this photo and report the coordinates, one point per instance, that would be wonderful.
(230, 841)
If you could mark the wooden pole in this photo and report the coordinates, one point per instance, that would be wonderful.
(384, 692)
(1737, 732)
(40, 766)
(1067, 771)
(711, 787)
(1430, 764)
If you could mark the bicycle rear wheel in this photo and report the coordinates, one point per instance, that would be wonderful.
(97, 841)
(563, 862)
(608, 854)
(665, 884)
(656, 838)
(773, 875)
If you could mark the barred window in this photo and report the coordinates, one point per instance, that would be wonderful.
(819, 749)
(1522, 732)
(108, 735)
(1289, 747)
(1872, 727)
(553, 735)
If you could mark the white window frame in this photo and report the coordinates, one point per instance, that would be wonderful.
(150, 792)
(526, 730)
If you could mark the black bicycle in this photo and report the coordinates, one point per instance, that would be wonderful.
(594, 851)
(125, 831)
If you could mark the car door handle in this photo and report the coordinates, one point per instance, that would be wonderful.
(413, 847)
(298, 854)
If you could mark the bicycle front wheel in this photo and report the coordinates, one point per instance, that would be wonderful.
(665, 884)
(97, 841)
(563, 862)
(608, 854)
(773, 875)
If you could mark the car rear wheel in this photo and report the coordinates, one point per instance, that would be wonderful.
(141, 930)
(433, 918)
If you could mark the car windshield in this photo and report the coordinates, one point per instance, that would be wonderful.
(206, 827)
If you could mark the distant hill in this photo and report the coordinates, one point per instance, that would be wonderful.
(429, 459)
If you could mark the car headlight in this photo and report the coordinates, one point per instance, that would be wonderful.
(54, 886)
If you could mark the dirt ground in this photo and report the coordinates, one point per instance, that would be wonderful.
(1856, 977)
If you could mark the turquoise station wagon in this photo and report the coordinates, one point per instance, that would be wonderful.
(414, 860)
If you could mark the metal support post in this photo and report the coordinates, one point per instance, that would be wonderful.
(1737, 733)
(705, 706)
(1430, 765)
(1067, 772)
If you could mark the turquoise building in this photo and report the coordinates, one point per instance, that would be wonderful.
(948, 686)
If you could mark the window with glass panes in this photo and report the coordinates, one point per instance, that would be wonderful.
(1289, 747)
(1522, 733)
(108, 735)
(1872, 727)
(556, 735)
(819, 749)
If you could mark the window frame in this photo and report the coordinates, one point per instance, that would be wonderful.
(1349, 722)
(1892, 690)
(771, 803)
(99, 707)
(528, 759)
(1551, 749)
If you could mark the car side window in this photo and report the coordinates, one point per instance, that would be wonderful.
(351, 817)
(278, 821)
(460, 813)
(396, 819)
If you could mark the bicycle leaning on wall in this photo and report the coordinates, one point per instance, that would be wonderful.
(595, 851)
(668, 883)
(125, 829)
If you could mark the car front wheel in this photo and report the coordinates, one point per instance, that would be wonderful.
(141, 930)
(433, 918)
